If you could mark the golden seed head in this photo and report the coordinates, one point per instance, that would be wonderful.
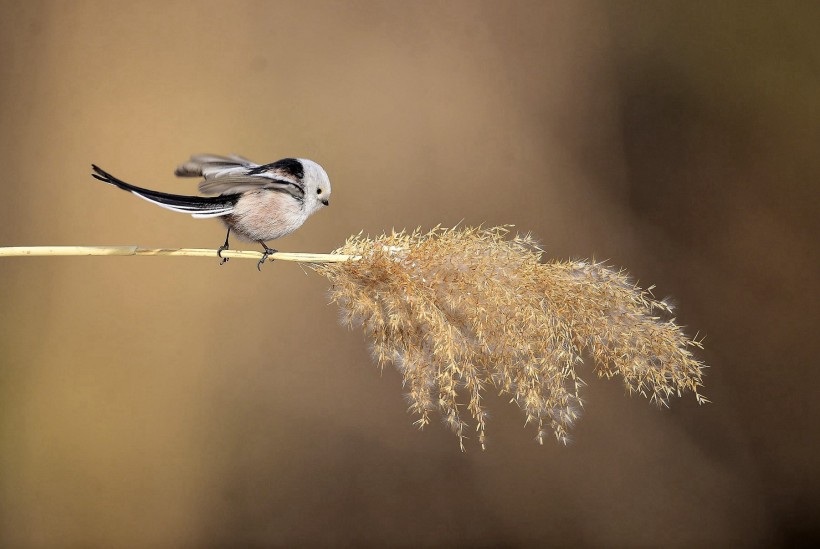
(460, 310)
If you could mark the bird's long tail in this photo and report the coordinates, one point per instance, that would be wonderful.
(197, 206)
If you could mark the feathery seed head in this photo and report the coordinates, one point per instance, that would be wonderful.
(461, 310)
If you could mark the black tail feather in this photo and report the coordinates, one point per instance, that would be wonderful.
(180, 203)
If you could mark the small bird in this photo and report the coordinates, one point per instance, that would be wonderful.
(257, 202)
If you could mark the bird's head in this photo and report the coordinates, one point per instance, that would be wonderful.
(317, 185)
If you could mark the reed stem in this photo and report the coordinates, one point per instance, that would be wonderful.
(32, 251)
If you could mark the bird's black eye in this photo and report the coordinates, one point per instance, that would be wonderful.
(318, 191)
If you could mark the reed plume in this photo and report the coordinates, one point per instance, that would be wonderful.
(461, 311)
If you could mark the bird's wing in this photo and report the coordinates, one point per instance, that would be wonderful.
(206, 165)
(221, 174)
(283, 176)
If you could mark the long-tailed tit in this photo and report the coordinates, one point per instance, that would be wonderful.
(257, 202)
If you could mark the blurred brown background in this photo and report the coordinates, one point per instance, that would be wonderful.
(171, 402)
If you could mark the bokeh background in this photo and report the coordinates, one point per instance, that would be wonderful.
(170, 402)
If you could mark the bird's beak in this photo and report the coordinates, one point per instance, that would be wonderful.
(326, 202)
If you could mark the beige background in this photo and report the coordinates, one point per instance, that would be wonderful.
(170, 402)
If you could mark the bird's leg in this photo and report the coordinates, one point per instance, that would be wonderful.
(268, 251)
(223, 248)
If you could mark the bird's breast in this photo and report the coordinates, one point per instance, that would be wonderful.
(266, 215)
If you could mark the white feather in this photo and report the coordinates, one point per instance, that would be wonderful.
(193, 211)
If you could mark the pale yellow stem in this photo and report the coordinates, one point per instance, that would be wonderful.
(20, 251)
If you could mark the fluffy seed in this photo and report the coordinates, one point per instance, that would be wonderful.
(461, 310)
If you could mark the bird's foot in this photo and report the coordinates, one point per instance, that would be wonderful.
(219, 254)
(268, 252)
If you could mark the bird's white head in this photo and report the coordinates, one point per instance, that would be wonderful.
(317, 185)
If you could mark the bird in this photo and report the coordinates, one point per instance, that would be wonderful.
(257, 202)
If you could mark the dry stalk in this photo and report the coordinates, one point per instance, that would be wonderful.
(36, 251)
(458, 311)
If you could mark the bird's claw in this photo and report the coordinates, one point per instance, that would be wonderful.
(265, 255)
(219, 254)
